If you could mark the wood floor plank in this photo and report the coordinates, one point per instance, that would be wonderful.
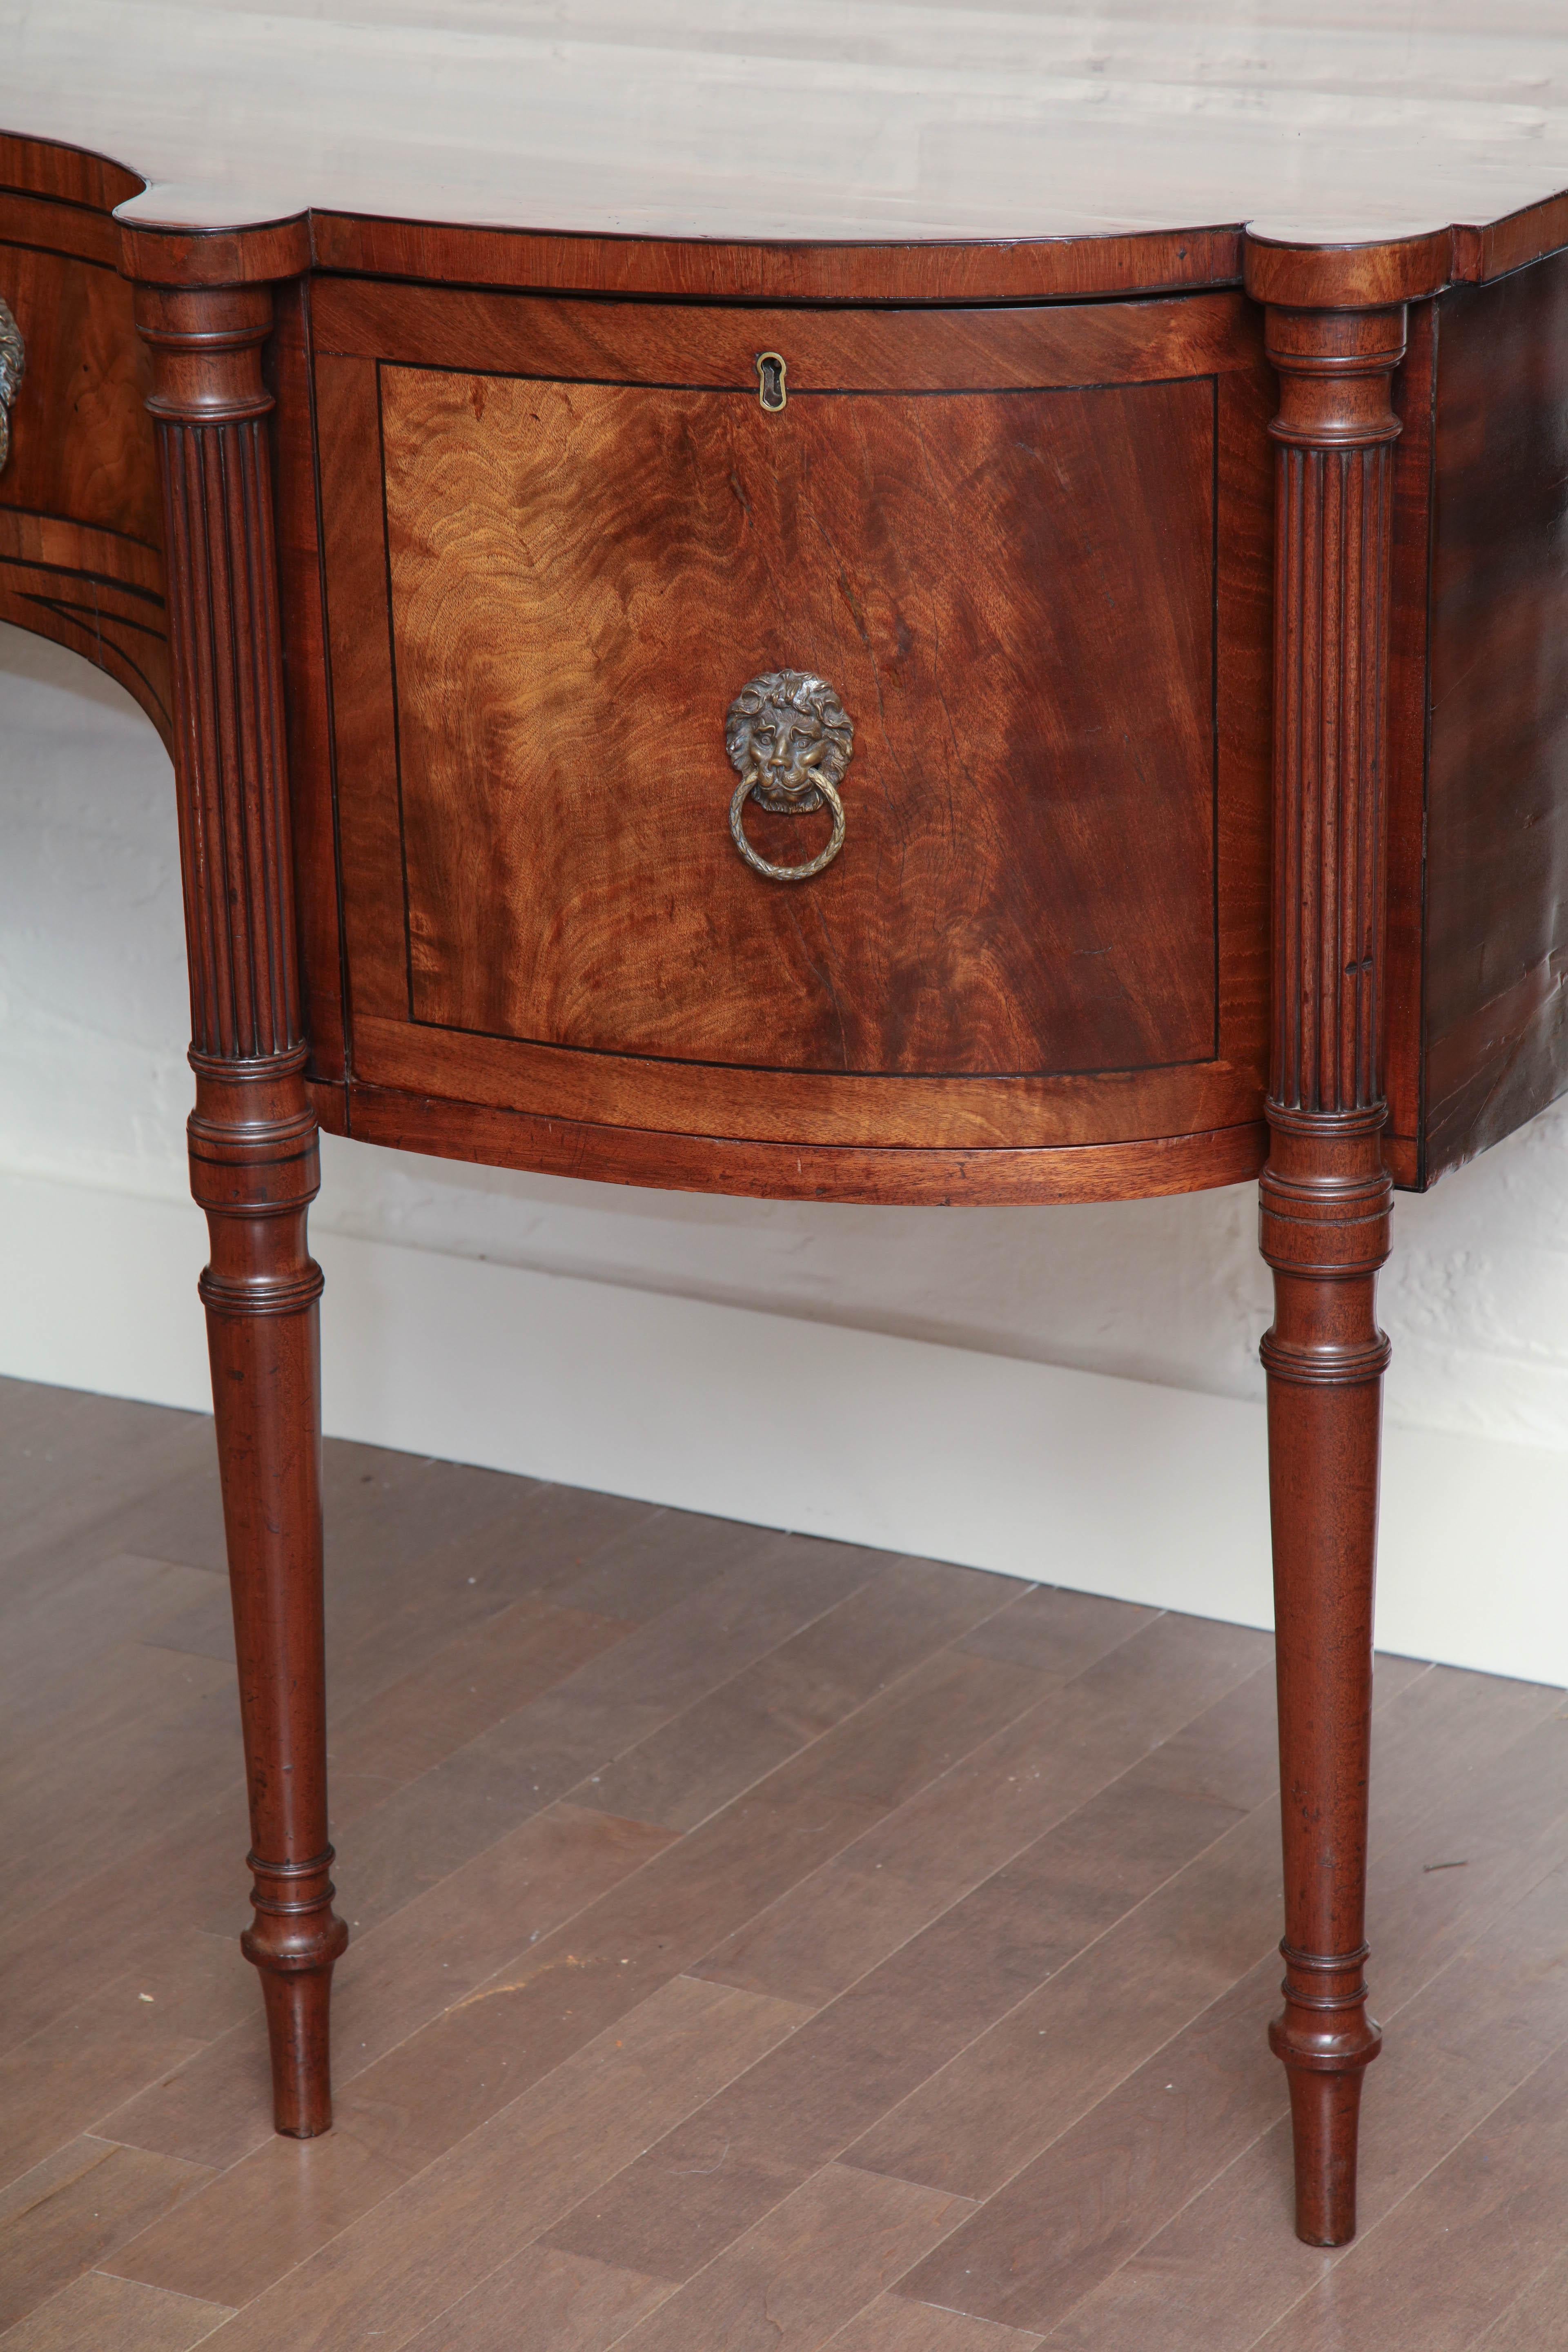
(95, 2314)
(987, 2115)
(557, 1740)
(69, 2212)
(412, 1562)
(279, 2199)
(419, 2249)
(413, 1547)
(1538, 2320)
(1118, 2174)
(893, 2324)
(389, 1592)
(681, 2202)
(414, 1600)
(143, 1721)
(388, 1507)
(544, 2301)
(472, 2059)
(658, 1562)
(1228, 2266)
(1391, 1673)
(273, 2210)
(640, 1934)
(120, 1917)
(67, 1447)
(55, 1954)
(756, 1605)
(1056, 1630)
(543, 1538)
(73, 1468)
(205, 1627)
(75, 2070)
(491, 1669)
(393, 1597)
(124, 1598)
(1470, 1720)
(578, 1980)
(174, 1517)
(773, 1708)
(466, 1933)
(828, 1930)
(793, 2282)
(393, 1520)
(384, 1509)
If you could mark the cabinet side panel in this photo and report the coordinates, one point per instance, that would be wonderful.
(1496, 1028)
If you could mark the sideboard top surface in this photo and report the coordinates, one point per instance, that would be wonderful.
(820, 121)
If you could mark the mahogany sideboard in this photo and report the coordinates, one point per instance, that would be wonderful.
(790, 703)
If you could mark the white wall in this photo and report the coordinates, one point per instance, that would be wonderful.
(93, 1092)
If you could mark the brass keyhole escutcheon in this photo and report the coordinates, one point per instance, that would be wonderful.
(789, 740)
(771, 390)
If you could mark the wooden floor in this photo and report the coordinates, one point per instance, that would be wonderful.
(759, 1944)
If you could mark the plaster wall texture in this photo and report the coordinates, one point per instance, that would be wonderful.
(94, 1090)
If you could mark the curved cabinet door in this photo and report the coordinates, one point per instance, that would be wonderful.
(81, 539)
(1027, 550)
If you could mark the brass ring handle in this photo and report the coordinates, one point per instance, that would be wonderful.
(12, 363)
(790, 739)
(828, 792)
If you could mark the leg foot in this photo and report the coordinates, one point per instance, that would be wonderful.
(1325, 2117)
(298, 2009)
(296, 1939)
(1327, 2042)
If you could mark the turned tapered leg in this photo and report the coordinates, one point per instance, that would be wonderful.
(1324, 1212)
(253, 1169)
(252, 1134)
(1325, 1198)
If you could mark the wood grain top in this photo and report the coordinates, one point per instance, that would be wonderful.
(817, 120)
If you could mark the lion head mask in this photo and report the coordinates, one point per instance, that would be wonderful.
(784, 732)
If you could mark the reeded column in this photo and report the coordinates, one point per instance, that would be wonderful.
(253, 1133)
(1325, 1197)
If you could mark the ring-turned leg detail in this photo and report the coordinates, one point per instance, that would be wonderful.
(1325, 1198)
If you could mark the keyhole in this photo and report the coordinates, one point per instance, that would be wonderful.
(770, 373)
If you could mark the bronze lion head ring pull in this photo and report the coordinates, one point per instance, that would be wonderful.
(789, 740)
(12, 363)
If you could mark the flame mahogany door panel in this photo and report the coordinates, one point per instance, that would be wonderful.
(1030, 551)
